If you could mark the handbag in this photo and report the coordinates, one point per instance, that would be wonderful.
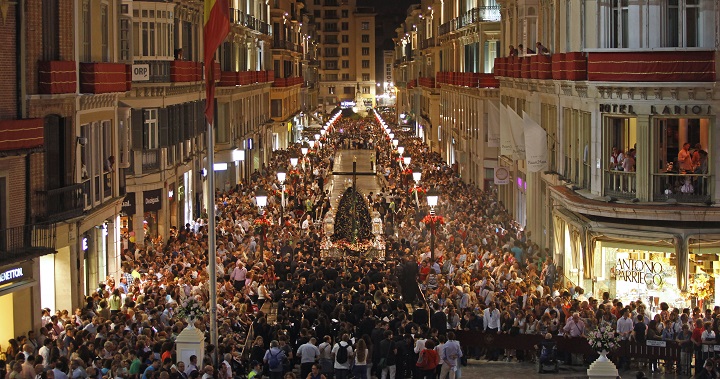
(382, 364)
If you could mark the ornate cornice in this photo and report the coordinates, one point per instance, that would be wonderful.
(97, 101)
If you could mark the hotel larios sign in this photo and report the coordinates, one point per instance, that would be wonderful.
(638, 271)
(666, 110)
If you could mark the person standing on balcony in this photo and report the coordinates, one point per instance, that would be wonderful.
(616, 159)
(685, 158)
(628, 164)
(541, 49)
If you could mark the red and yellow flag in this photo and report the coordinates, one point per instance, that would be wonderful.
(216, 28)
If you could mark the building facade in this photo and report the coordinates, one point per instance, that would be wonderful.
(644, 224)
(604, 122)
(104, 137)
(445, 52)
(346, 53)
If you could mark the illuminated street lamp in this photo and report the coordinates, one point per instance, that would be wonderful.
(432, 199)
(401, 149)
(417, 175)
(395, 142)
(406, 159)
(261, 200)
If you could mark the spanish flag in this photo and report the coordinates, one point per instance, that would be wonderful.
(217, 27)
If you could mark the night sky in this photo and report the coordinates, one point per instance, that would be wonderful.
(382, 6)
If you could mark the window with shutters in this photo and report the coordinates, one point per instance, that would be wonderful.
(366, 38)
(105, 32)
(365, 51)
(97, 162)
(154, 33)
(85, 55)
(345, 64)
(365, 64)
(366, 77)
(151, 132)
(50, 30)
(365, 26)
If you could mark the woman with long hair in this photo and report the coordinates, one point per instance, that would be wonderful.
(361, 354)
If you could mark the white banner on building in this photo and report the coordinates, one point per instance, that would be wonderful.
(536, 154)
(518, 135)
(502, 176)
(493, 126)
(506, 144)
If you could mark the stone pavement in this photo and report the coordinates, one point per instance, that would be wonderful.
(512, 370)
(366, 181)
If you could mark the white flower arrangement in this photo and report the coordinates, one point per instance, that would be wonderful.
(191, 308)
(603, 338)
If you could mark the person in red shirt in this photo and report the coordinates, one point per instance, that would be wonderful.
(424, 271)
(696, 339)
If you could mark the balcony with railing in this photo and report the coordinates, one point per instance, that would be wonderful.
(467, 79)
(616, 66)
(287, 45)
(241, 78)
(158, 71)
(56, 77)
(288, 82)
(684, 188)
(150, 160)
(26, 242)
(427, 43)
(238, 17)
(60, 203)
(620, 184)
(100, 78)
(475, 15)
(186, 71)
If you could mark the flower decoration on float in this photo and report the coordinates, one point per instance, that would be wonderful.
(603, 338)
(433, 220)
(418, 189)
(261, 224)
(191, 309)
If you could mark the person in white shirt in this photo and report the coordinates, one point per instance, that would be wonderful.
(491, 324)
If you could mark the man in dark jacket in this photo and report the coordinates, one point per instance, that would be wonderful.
(438, 320)
(388, 356)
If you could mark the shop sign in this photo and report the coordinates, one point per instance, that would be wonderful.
(128, 204)
(152, 200)
(502, 176)
(656, 343)
(14, 274)
(666, 110)
(639, 271)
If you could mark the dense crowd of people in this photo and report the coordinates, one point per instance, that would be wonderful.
(335, 317)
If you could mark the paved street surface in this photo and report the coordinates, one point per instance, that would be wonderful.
(513, 370)
(343, 163)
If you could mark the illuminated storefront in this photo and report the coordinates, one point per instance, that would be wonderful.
(17, 287)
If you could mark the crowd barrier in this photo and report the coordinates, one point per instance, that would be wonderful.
(667, 351)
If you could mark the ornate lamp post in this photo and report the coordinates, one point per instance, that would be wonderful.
(281, 176)
(417, 175)
(261, 200)
(432, 200)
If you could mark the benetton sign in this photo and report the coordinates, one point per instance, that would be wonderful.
(16, 273)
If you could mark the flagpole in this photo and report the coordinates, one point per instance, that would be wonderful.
(212, 251)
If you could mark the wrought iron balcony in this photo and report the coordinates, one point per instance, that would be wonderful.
(26, 242)
(479, 14)
(61, 203)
